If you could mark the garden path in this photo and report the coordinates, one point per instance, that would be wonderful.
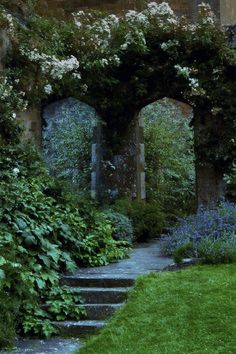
(144, 258)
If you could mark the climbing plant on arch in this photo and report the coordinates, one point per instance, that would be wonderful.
(120, 65)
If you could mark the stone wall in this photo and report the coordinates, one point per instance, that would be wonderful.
(123, 167)
(18, 8)
(228, 12)
(225, 9)
(61, 8)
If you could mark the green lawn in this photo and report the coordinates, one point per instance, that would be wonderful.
(190, 311)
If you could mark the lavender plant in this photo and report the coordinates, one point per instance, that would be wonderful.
(211, 232)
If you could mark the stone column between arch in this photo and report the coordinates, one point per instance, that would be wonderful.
(118, 169)
(96, 160)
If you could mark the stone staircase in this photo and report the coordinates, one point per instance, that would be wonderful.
(104, 290)
(102, 294)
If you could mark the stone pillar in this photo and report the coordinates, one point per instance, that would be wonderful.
(96, 161)
(210, 186)
(5, 46)
(120, 163)
(141, 178)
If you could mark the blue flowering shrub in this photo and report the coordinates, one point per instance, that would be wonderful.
(210, 235)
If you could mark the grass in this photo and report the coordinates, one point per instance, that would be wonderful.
(189, 311)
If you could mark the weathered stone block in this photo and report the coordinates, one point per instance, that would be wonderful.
(5, 46)
(228, 12)
(31, 120)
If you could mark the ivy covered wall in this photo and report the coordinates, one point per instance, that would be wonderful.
(120, 64)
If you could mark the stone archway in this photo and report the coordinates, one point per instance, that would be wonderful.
(154, 65)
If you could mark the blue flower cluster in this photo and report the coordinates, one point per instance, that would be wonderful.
(217, 226)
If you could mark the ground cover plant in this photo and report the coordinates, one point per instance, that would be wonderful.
(189, 311)
(148, 219)
(42, 234)
(123, 228)
(209, 235)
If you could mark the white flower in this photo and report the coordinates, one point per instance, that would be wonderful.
(50, 64)
(76, 76)
(172, 21)
(48, 89)
(10, 23)
(194, 83)
(160, 9)
(136, 17)
(116, 60)
(209, 16)
(135, 37)
(84, 88)
(104, 62)
(183, 70)
(15, 171)
(169, 44)
(124, 46)
(216, 110)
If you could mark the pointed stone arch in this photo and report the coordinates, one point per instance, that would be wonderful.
(65, 122)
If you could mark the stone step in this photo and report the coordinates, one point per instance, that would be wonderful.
(100, 311)
(76, 328)
(102, 295)
(103, 281)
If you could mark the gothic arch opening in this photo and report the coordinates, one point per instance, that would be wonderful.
(67, 140)
(169, 154)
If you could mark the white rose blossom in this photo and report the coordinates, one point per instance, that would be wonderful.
(9, 20)
(15, 171)
(51, 65)
(48, 89)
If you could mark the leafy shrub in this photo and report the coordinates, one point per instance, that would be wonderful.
(148, 219)
(8, 311)
(41, 235)
(222, 250)
(123, 229)
(182, 252)
(211, 232)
